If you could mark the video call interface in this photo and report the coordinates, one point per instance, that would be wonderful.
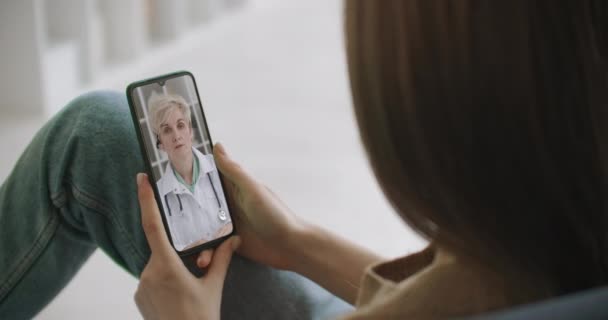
(176, 141)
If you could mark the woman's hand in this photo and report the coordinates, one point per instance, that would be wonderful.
(167, 290)
(272, 235)
(266, 226)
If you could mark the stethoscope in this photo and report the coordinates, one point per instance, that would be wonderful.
(221, 214)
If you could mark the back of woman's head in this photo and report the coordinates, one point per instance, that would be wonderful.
(486, 123)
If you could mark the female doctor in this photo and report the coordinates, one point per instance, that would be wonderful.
(190, 188)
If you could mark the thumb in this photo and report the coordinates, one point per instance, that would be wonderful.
(221, 261)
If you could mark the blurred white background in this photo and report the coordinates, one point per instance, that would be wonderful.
(273, 81)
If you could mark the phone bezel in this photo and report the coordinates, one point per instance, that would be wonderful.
(142, 146)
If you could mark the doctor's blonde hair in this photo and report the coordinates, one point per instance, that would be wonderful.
(160, 105)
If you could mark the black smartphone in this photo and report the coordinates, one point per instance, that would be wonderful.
(178, 152)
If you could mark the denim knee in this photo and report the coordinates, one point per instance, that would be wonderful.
(95, 169)
(104, 119)
(103, 130)
(100, 140)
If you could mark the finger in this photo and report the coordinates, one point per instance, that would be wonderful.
(150, 217)
(221, 260)
(232, 191)
(204, 258)
(229, 168)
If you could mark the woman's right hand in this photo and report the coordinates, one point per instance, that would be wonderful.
(272, 235)
(265, 224)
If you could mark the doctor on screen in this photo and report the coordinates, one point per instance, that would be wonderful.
(190, 188)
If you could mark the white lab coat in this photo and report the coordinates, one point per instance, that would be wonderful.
(193, 217)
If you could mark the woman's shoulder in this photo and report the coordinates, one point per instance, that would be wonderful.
(166, 184)
(431, 284)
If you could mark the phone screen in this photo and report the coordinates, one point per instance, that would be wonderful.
(178, 147)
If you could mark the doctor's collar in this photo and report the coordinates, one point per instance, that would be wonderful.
(168, 182)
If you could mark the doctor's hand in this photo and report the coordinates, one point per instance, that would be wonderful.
(265, 224)
(167, 290)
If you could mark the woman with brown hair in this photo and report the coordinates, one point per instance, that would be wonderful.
(485, 123)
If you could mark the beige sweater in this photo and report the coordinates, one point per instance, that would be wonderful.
(433, 284)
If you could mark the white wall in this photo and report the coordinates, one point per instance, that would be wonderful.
(55, 49)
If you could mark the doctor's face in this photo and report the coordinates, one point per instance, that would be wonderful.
(176, 135)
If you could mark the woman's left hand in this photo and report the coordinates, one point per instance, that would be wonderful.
(167, 290)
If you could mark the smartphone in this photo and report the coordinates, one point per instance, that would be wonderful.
(178, 153)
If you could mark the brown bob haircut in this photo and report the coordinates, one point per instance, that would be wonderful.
(486, 124)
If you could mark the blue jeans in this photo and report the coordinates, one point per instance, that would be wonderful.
(74, 190)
